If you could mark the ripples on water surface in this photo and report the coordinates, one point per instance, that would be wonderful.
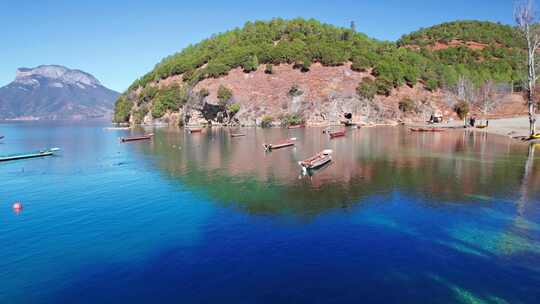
(397, 217)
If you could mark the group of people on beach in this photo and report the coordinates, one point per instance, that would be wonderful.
(472, 122)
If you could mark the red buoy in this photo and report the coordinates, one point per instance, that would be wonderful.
(17, 206)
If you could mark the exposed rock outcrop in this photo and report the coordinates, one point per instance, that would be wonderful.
(327, 95)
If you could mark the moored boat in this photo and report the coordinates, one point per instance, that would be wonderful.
(347, 123)
(195, 130)
(297, 126)
(43, 153)
(427, 129)
(316, 161)
(237, 134)
(336, 134)
(116, 128)
(136, 138)
(280, 144)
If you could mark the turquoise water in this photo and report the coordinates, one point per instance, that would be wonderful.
(397, 217)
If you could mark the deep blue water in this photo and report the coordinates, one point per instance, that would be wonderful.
(397, 217)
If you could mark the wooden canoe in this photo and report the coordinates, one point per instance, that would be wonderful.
(427, 130)
(336, 134)
(279, 145)
(316, 161)
(116, 128)
(237, 134)
(43, 153)
(347, 123)
(297, 126)
(136, 138)
(195, 130)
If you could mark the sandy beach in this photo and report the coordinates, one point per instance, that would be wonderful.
(514, 127)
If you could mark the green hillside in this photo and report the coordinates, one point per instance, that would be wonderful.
(476, 31)
(303, 42)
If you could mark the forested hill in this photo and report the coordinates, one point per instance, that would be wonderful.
(497, 54)
(473, 31)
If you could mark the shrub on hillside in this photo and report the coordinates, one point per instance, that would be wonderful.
(266, 121)
(169, 98)
(366, 88)
(269, 69)
(147, 93)
(295, 91)
(203, 93)
(224, 95)
(411, 76)
(360, 64)
(303, 65)
(406, 105)
(122, 109)
(462, 109)
(432, 84)
(384, 86)
(139, 114)
(291, 120)
(233, 108)
(216, 70)
(251, 64)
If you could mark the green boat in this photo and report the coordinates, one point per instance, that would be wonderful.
(43, 153)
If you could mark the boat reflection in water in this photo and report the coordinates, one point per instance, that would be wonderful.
(449, 167)
(311, 172)
(396, 217)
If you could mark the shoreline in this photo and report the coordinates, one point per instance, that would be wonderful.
(513, 127)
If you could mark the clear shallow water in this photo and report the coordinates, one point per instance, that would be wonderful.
(397, 217)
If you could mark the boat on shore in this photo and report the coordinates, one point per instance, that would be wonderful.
(281, 144)
(336, 134)
(300, 126)
(427, 129)
(347, 123)
(316, 161)
(43, 153)
(137, 138)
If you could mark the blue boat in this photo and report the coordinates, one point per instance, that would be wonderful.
(42, 153)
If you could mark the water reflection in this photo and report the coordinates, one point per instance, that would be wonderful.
(450, 167)
(453, 217)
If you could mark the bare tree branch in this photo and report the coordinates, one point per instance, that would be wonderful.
(526, 21)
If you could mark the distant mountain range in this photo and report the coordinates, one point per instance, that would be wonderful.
(53, 92)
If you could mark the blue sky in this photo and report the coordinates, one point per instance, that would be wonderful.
(118, 41)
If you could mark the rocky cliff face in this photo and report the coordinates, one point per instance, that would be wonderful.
(326, 95)
(55, 92)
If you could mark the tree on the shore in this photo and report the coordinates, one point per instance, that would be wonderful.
(460, 97)
(489, 96)
(526, 20)
(462, 110)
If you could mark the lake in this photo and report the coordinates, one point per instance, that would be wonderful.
(396, 217)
